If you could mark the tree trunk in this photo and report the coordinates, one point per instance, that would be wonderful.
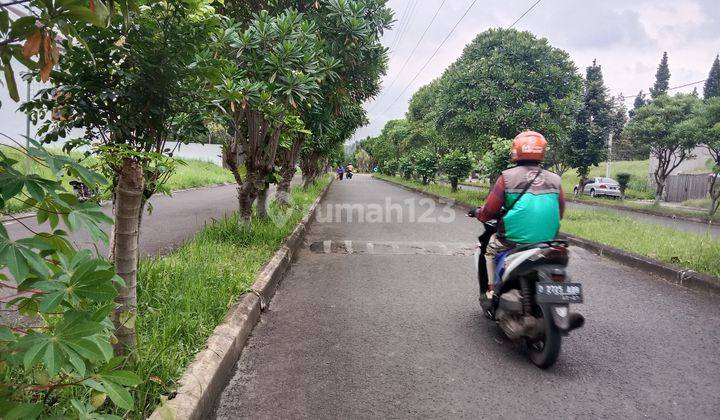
(262, 201)
(310, 166)
(283, 188)
(581, 185)
(129, 203)
(454, 184)
(659, 192)
(246, 196)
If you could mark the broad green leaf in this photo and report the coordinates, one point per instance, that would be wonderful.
(119, 395)
(51, 301)
(6, 334)
(24, 411)
(53, 358)
(123, 377)
(33, 354)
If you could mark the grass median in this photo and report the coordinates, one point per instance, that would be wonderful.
(687, 250)
(182, 297)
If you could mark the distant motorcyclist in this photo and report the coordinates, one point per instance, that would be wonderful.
(527, 201)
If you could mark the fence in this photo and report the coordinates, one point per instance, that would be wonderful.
(686, 187)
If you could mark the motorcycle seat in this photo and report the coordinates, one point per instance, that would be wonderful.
(545, 244)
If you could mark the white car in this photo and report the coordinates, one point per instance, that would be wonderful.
(600, 187)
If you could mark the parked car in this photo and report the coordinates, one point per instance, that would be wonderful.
(600, 187)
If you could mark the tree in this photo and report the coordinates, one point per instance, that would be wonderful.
(350, 32)
(623, 179)
(406, 167)
(593, 125)
(277, 69)
(639, 102)
(425, 163)
(660, 125)
(704, 129)
(712, 84)
(497, 159)
(662, 78)
(456, 165)
(507, 81)
(132, 88)
(363, 161)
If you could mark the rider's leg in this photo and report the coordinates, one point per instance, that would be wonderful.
(494, 247)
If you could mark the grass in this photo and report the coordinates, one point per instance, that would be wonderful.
(198, 173)
(695, 252)
(465, 196)
(193, 173)
(182, 297)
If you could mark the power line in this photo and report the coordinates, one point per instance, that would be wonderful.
(625, 97)
(445, 40)
(523, 15)
(408, 19)
(402, 22)
(412, 53)
(433, 55)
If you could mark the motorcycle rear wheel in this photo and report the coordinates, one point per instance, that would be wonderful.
(544, 353)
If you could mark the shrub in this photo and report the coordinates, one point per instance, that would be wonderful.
(456, 165)
(623, 179)
(426, 164)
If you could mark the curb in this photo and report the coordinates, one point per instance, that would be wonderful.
(672, 273)
(206, 377)
(669, 272)
(642, 211)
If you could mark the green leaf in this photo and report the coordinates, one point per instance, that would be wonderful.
(24, 411)
(33, 354)
(51, 301)
(122, 377)
(119, 395)
(97, 386)
(53, 358)
(10, 81)
(6, 334)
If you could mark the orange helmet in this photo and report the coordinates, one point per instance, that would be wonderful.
(529, 145)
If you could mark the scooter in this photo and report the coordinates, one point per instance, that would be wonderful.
(533, 294)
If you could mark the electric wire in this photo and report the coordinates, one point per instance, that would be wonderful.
(443, 43)
(412, 53)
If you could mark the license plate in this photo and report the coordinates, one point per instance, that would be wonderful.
(559, 293)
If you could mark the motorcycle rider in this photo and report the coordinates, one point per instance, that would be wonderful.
(527, 201)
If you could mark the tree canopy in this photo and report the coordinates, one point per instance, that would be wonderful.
(507, 81)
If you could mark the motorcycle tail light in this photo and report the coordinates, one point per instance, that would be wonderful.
(557, 277)
(557, 254)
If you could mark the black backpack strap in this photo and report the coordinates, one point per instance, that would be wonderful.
(527, 187)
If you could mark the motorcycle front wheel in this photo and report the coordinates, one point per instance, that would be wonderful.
(543, 353)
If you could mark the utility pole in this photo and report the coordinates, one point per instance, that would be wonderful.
(608, 166)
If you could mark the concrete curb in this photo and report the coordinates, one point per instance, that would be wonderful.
(206, 377)
(669, 272)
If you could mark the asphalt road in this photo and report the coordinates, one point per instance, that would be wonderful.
(677, 224)
(171, 221)
(379, 319)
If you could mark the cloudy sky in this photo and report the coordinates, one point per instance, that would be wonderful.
(627, 37)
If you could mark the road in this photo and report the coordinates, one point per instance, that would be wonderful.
(379, 318)
(677, 224)
(170, 223)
